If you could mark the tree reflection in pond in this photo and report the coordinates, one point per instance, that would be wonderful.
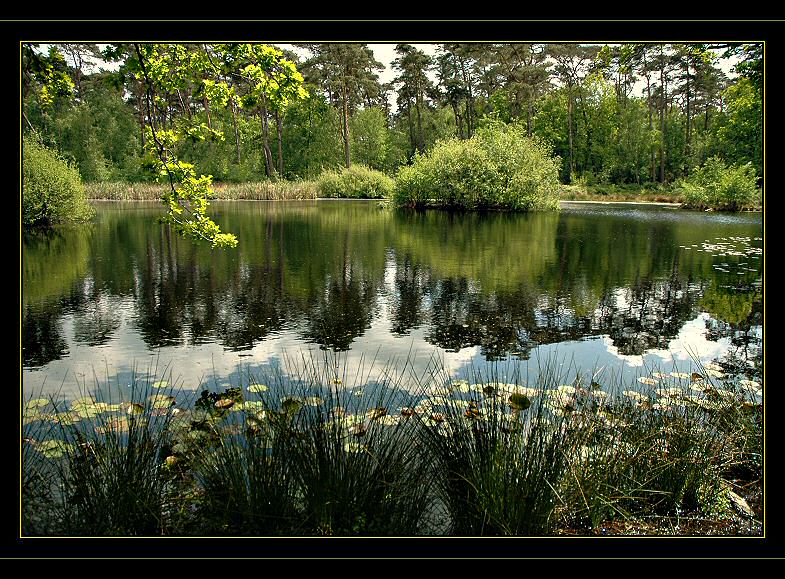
(349, 276)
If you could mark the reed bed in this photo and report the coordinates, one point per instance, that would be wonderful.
(260, 191)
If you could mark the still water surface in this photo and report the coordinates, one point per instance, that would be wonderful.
(621, 288)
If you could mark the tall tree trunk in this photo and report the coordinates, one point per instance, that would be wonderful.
(206, 103)
(347, 157)
(268, 156)
(139, 98)
(279, 130)
(587, 153)
(651, 115)
(569, 134)
(420, 139)
(458, 119)
(233, 108)
(688, 143)
(663, 95)
(412, 141)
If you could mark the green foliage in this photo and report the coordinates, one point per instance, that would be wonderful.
(370, 139)
(739, 131)
(499, 168)
(358, 181)
(52, 191)
(718, 186)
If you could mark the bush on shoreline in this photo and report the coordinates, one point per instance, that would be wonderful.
(718, 186)
(499, 168)
(52, 191)
(356, 182)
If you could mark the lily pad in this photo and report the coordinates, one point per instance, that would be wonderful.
(750, 385)
(257, 388)
(291, 404)
(645, 380)
(250, 405)
(354, 447)
(461, 386)
(519, 402)
(376, 413)
(36, 404)
(65, 418)
(161, 400)
(682, 375)
(388, 420)
(669, 392)
(160, 384)
(134, 409)
(87, 411)
(224, 403)
(635, 395)
(54, 448)
(114, 425)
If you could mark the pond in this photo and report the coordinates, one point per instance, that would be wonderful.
(615, 288)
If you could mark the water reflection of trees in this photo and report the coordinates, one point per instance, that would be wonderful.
(644, 316)
(504, 284)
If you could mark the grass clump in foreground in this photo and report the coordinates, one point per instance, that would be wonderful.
(309, 451)
(499, 168)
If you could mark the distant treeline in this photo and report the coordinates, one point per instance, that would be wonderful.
(632, 113)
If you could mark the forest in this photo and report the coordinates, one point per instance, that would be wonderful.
(639, 116)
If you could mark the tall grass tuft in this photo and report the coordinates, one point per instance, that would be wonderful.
(498, 455)
(108, 464)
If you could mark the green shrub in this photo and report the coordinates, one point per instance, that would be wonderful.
(499, 168)
(718, 186)
(358, 181)
(52, 191)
